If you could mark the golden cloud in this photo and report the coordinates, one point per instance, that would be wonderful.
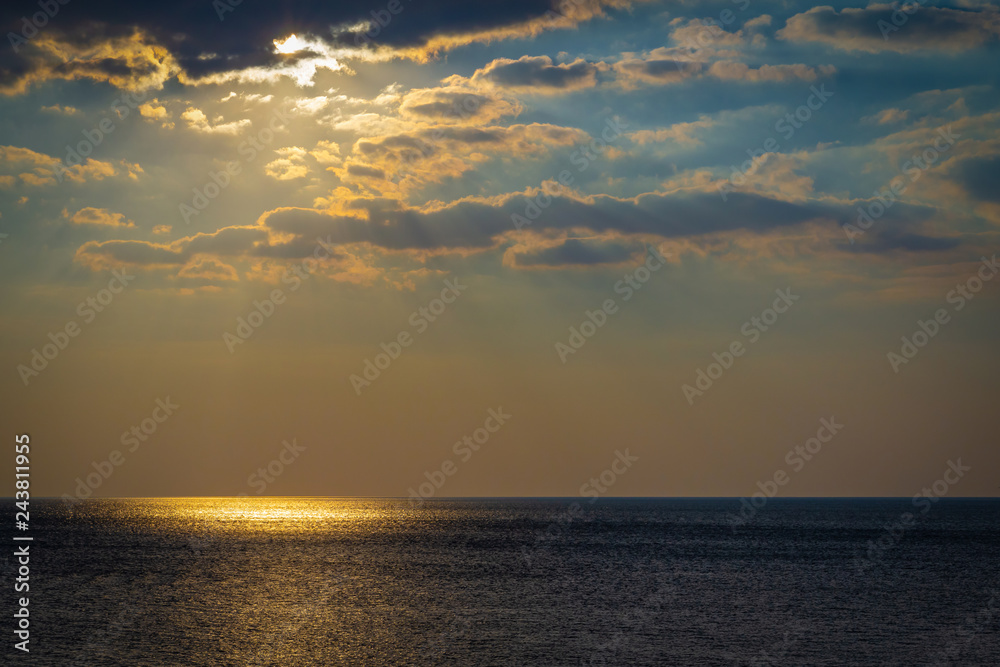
(98, 216)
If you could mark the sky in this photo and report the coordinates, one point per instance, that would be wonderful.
(436, 248)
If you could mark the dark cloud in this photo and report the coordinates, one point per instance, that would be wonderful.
(473, 223)
(192, 29)
(428, 141)
(538, 73)
(435, 153)
(479, 224)
(655, 70)
(365, 171)
(873, 28)
(133, 252)
(228, 241)
(456, 105)
(401, 144)
(298, 248)
(579, 253)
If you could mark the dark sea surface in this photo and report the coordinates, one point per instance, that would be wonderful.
(325, 581)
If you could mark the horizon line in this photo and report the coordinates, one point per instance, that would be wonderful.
(609, 497)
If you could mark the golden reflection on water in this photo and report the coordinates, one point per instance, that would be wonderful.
(271, 580)
(277, 514)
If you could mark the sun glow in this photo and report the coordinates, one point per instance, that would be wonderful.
(291, 44)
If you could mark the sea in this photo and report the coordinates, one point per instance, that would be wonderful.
(545, 581)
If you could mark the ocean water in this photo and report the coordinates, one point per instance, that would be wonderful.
(326, 581)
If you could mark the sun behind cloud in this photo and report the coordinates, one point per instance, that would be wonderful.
(290, 44)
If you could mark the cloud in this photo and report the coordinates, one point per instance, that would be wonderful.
(285, 169)
(98, 170)
(656, 67)
(64, 110)
(537, 74)
(130, 252)
(197, 120)
(311, 105)
(326, 152)
(17, 154)
(604, 229)
(433, 153)
(156, 112)
(364, 171)
(228, 241)
(98, 216)
(734, 71)
(456, 104)
(210, 270)
(533, 17)
(696, 34)
(45, 169)
(888, 116)
(758, 22)
(256, 98)
(669, 65)
(290, 165)
(681, 133)
(479, 223)
(143, 45)
(872, 29)
(129, 62)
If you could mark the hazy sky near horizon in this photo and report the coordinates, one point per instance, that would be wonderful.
(800, 184)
